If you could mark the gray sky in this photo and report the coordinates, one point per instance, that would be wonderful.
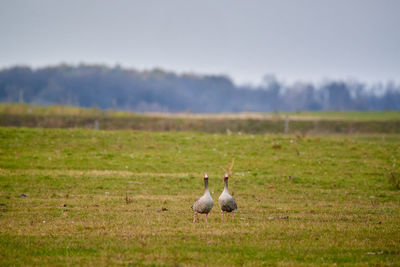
(306, 40)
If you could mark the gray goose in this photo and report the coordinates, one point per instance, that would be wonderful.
(226, 201)
(205, 203)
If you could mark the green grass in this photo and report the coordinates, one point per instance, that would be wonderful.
(23, 109)
(341, 205)
(22, 115)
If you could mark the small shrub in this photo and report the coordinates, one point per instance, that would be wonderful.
(276, 146)
(128, 200)
(394, 178)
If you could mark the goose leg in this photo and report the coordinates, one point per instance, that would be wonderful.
(194, 218)
(222, 215)
(206, 217)
(233, 215)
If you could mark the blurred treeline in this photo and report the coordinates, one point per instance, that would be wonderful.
(158, 90)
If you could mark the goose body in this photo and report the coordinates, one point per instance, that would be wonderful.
(226, 202)
(205, 203)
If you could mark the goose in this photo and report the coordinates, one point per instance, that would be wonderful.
(205, 203)
(226, 201)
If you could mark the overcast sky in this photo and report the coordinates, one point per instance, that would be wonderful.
(296, 40)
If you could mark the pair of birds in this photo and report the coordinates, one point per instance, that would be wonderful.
(205, 203)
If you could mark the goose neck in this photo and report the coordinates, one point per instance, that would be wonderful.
(226, 185)
(206, 184)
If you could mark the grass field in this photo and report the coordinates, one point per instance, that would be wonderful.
(124, 197)
(23, 109)
(22, 115)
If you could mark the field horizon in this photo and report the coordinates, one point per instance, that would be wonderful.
(303, 123)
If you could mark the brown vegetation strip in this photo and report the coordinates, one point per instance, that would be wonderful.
(214, 123)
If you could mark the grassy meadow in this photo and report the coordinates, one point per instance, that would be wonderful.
(325, 122)
(94, 197)
(23, 109)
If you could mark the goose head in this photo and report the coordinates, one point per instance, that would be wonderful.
(226, 177)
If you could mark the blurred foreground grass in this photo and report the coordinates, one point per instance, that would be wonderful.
(124, 197)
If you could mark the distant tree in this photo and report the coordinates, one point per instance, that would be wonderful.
(160, 90)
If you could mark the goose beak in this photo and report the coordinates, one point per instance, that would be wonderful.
(206, 176)
(226, 176)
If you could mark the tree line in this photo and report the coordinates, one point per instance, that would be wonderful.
(158, 90)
